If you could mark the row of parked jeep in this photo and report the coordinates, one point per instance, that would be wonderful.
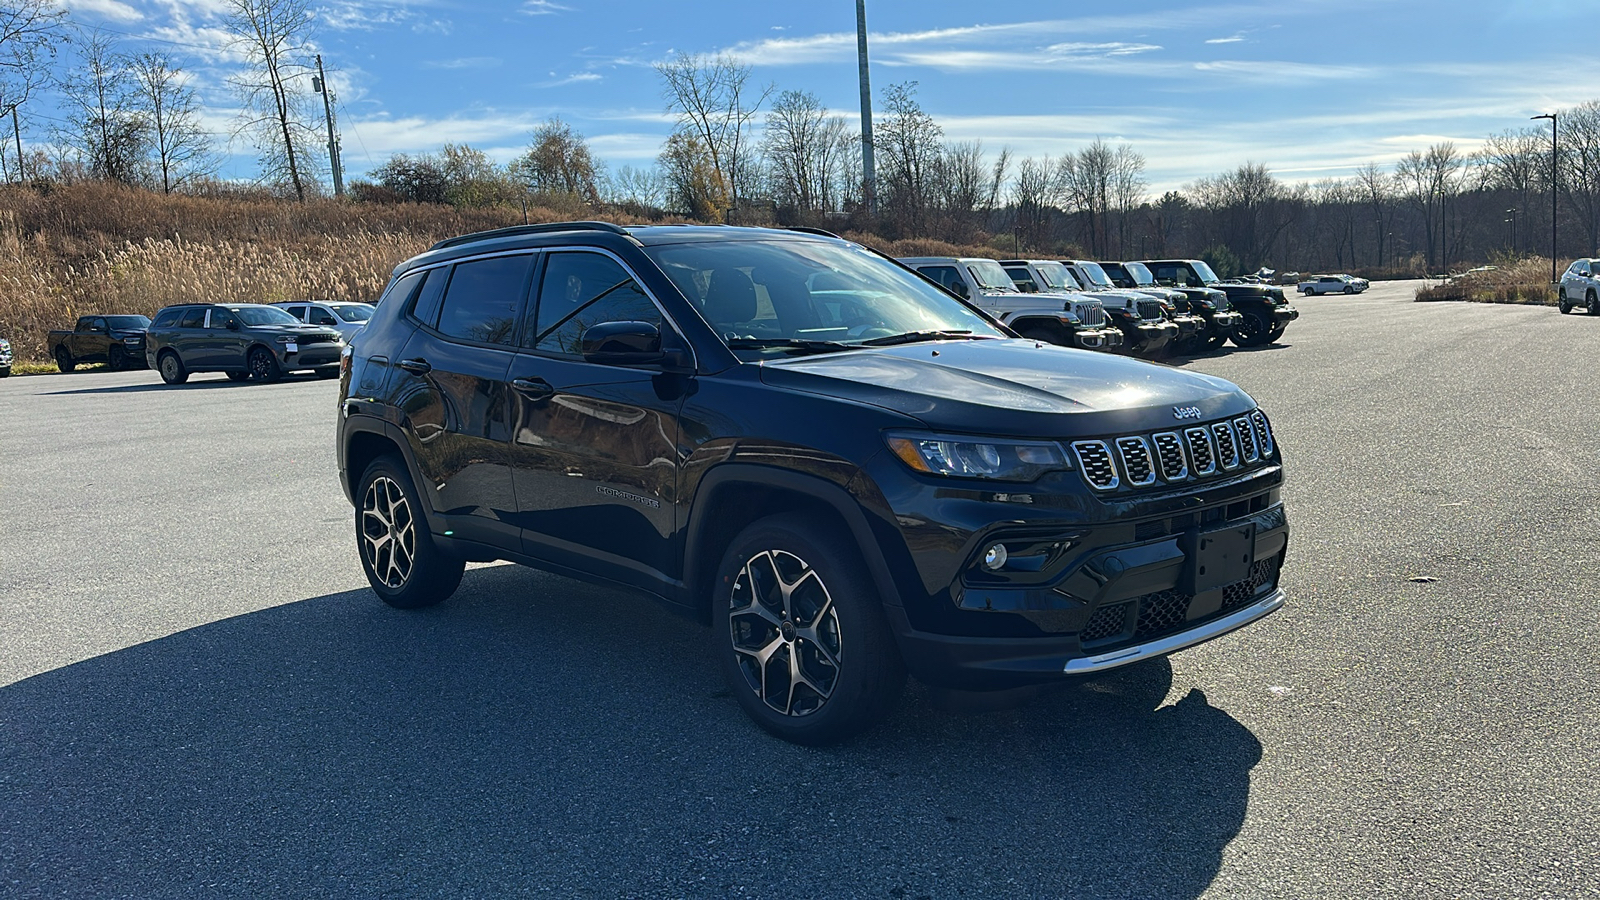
(1149, 308)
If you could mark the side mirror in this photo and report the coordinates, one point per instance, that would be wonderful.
(233, 324)
(628, 344)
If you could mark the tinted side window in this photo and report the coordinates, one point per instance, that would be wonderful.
(580, 290)
(945, 275)
(299, 312)
(484, 299)
(1165, 273)
(426, 308)
(193, 318)
(221, 317)
(321, 317)
(165, 318)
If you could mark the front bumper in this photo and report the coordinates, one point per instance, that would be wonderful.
(309, 356)
(1188, 326)
(1098, 338)
(1120, 592)
(1225, 321)
(1283, 315)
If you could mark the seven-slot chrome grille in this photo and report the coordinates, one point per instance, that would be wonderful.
(1092, 315)
(1171, 457)
(1150, 309)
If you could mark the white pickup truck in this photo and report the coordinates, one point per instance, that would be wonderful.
(1332, 284)
(1068, 319)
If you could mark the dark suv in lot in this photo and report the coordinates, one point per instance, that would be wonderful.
(245, 340)
(848, 472)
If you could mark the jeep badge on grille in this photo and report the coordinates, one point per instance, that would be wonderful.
(1186, 412)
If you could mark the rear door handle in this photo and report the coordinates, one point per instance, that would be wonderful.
(533, 388)
(415, 366)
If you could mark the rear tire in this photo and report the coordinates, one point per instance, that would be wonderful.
(1563, 303)
(404, 565)
(264, 365)
(64, 360)
(801, 635)
(172, 369)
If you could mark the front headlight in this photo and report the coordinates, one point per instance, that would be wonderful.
(287, 339)
(967, 457)
(132, 340)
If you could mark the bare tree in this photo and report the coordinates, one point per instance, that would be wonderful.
(30, 33)
(105, 126)
(1580, 169)
(717, 105)
(1429, 180)
(908, 145)
(1249, 211)
(558, 161)
(1376, 190)
(641, 189)
(1032, 198)
(181, 146)
(274, 36)
(806, 150)
(968, 188)
(1085, 178)
(1127, 193)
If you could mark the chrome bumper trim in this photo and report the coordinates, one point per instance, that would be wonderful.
(1183, 639)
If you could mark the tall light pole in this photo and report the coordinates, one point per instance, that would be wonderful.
(321, 86)
(1555, 183)
(869, 177)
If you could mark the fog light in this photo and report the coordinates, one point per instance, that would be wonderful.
(994, 559)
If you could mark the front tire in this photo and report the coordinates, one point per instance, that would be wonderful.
(405, 567)
(64, 360)
(802, 638)
(117, 359)
(264, 365)
(1253, 330)
(1592, 304)
(172, 369)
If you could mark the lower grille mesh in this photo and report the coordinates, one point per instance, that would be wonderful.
(1107, 621)
(1164, 612)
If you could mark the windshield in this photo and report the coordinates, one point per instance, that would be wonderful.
(355, 312)
(788, 295)
(1140, 273)
(1056, 276)
(127, 322)
(263, 315)
(990, 276)
(1097, 275)
(1204, 271)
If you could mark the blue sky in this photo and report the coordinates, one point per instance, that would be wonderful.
(1310, 88)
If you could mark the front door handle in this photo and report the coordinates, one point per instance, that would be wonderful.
(415, 366)
(533, 388)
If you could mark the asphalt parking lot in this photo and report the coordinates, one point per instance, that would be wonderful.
(199, 696)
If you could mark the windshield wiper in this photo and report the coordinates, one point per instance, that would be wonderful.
(912, 337)
(787, 344)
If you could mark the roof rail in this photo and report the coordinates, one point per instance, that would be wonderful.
(806, 229)
(513, 230)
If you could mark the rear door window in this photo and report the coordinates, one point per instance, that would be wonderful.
(484, 299)
(299, 312)
(193, 318)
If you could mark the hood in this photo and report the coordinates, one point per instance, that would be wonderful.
(1015, 388)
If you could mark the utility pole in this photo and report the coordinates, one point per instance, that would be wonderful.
(16, 130)
(869, 177)
(320, 85)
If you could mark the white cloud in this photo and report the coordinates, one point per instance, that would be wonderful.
(466, 62)
(1227, 40)
(543, 8)
(578, 78)
(106, 9)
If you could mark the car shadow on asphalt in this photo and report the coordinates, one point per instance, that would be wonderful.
(535, 733)
(209, 384)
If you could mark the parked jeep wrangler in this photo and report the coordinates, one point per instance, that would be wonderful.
(1057, 316)
(849, 473)
(1209, 304)
(1264, 313)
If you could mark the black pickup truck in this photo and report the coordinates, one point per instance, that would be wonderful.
(117, 341)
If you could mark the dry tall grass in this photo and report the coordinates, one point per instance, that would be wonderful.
(68, 251)
(1525, 281)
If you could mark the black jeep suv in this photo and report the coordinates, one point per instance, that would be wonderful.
(848, 472)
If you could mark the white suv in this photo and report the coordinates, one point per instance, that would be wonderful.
(1580, 286)
(344, 316)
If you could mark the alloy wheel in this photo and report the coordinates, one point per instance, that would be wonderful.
(388, 532)
(786, 633)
